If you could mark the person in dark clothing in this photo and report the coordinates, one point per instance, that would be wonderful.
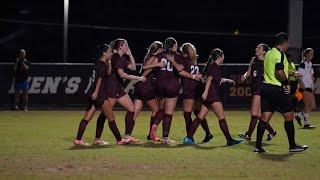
(21, 84)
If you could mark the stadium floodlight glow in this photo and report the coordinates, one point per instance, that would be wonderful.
(65, 30)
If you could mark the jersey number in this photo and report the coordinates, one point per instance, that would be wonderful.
(194, 69)
(167, 65)
(93, 76)
(254, 73)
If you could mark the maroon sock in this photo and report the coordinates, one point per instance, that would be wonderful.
(188, 120)
(158, 117)
(269, 128)
(151, 123)
(100, 125)
(252, 125)
(167, 118)
(224, 128)
(129, 122)
(82, 127)
(205, 127)
(193, 127)
(196, 112)
(204, 123)
(113, 127)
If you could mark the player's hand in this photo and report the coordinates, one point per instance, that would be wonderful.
(128, 52)
(204, 95)
(297, 75)
(286, 88)
(243, 78)
(197, 77)
(160, 64)
(170, 57)
(94, 96)
(231, 81)
(142, 78)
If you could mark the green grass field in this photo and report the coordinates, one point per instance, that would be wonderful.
(39, 145)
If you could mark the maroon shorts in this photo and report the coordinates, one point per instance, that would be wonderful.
(196, 94)
(144, 94)
(209, 101)
(255, 92)
(193, 96)
(117, 93)
(97, 103)
(168, 88)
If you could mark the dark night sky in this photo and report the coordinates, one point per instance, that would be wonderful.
(44, 42)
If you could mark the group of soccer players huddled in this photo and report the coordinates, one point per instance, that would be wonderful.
(166, 68)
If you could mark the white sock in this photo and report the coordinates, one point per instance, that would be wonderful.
(306, 118)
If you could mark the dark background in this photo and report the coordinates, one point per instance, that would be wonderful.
(37, 26)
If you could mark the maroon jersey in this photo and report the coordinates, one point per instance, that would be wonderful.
(257, 76)
(100, 70)
(213, 93)
(168, 71)
(192, 89)
(168, 77)
(115, 82)
(145, 91)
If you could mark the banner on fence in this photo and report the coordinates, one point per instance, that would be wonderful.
(65, 85)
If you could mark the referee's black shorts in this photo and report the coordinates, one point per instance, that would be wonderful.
(274, 99)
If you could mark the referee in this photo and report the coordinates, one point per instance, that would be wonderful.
(275, 93)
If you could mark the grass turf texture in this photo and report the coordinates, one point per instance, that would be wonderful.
(39, 145)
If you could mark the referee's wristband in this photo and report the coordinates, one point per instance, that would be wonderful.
(285, 82)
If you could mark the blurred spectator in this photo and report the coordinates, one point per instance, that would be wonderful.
(21, 84)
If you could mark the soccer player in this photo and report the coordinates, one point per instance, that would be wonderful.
(307, 87)
(211, 100)
(115, 91)
(275, 92)
(255, 70)
(168, 85)
(97, 98)
(145, 92)
(192, 89)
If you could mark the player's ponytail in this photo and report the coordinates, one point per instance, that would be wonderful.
(100, 49)
(215, 53)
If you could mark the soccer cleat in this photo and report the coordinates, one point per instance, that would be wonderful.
(308, 126)
(245, 136)
(259, 150)
(156, 140)
(124, 141)
(15, 108)
(271, 136)
(298, 148)
(167, 140)
(80, 143)
(298, 120)
(188, 141)
(234, 142)
(134, 140)
(99, 142)
(207, 138)
(121, 142)
(153, 133)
